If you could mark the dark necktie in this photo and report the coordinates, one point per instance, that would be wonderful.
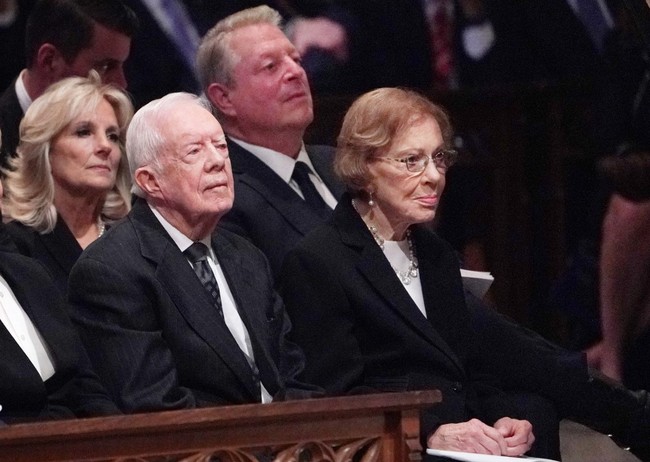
(312, 196)
(197, 253)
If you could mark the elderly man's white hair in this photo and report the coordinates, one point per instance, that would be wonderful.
(144, 139)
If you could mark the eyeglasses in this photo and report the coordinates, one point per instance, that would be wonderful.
(416, 163)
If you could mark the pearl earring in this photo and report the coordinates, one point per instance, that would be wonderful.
(371, 202)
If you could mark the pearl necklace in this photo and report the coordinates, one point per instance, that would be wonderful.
(412, 271)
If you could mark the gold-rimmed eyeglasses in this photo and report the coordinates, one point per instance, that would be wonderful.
(416, 163)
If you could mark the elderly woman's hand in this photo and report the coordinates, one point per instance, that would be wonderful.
(518, 435)
(472, 436)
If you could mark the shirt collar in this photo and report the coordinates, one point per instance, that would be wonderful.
(181, 240)
(280, 163)
(21, 92)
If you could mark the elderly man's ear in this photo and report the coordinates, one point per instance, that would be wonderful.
(219, 96)
(147, 181)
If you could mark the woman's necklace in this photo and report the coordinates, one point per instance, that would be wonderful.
(412, 271)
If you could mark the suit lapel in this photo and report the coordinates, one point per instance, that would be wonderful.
(237, 276)
(374, 266)
(186, 291)
(249, 301)
(62, 245)
(442, 290)
(258, 176)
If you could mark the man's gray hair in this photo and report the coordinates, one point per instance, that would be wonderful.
(215, 59)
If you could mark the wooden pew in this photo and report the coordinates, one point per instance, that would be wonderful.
(377, 427)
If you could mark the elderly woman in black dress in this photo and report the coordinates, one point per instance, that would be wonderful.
(377, 303)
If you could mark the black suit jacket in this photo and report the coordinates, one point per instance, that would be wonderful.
(360, 330)
(153, 334)
(74, 389)
(267, 211)
(10, 116)
(57, 251)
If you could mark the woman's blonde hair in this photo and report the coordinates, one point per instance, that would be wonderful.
(29, 186)
(371, 124)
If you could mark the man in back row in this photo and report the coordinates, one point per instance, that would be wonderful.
(253, 77)
(65, 38)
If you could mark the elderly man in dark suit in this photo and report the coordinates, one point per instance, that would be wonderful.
(252, 75)
(172, 314)
(44, 372)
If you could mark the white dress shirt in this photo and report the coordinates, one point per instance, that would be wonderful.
(21, 328)
(397, 253)
(21, 92)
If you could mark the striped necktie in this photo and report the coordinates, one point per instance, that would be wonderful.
(197, 253)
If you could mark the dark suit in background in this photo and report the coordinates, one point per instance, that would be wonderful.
(74, 390)
(12, 44)
(12, 56)
(267, 211)
(534, 40)
(10, 116)
(154, 334)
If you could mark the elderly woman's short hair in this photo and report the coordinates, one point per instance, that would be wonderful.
(215, 59)
(144, 140)
(371, 124)
(29, 186)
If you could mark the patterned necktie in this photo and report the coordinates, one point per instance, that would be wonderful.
(312, 196)
(197, 253)
(441, 33)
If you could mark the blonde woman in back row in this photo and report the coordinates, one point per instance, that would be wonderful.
(70, 178)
